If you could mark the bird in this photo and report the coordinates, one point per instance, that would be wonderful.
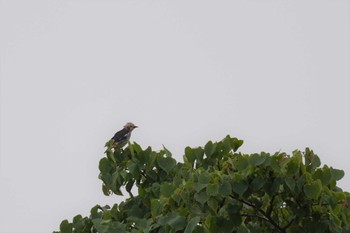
(122, 136)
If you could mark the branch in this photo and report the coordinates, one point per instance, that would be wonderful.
(269, 211)
(245, 202)
(265, 216)
(254, 215)
(143, 174)
(130, 193)
(222, 202)
(289, 224)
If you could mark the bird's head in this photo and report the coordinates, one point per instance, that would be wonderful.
(130, 126)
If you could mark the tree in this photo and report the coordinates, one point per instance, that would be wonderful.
(217, 189)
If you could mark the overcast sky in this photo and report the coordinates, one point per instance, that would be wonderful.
(274, 73)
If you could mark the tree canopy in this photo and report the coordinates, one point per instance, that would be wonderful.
(216, 189)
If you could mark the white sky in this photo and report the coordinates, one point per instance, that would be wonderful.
(272, 72)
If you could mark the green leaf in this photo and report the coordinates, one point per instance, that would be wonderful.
(156, 208)
(226, 145)
(137, 147)
(212, 189)
(66, 227)
(152, 175)
(227, 225)
(192, 224)
(313, 190)
(186, 196)
(155, 189)
(242, 163)
(167, 152)
(177, 223)
(213, 204)
(257, 183)
(109, 143)
(225, 189)
(204, 178)
(77, 219)
(118, 192)
(199, 152)
(107, 179)
(108, 227)
(199, 186)
(311, 159)
(273, 187)
(166, 164)
(134, 169)
(324, 175)
(242, 229)
(118, 178)
(107, 216)
(141, 224)
(105, 165)
(233, 207)
(99, 226)
(257, 159)
(211, 224)
(106, 190)
(95, 211)
(236, 220)
(151, 160)
(131, 149)
(201, 197)
(136, 211)
(110, 155)
(166, 189)
(290, 182)
(196, 210)
(190, 155)
(236, 143)
(240, 187)
(337, 174)
(292, 167)
(209, 149)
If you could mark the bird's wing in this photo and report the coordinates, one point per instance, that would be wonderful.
(120, 135)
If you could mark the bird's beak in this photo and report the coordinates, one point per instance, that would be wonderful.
(135, 126)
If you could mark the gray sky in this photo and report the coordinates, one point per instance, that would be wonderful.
(273, 73)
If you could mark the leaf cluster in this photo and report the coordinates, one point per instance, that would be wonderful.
(217, 189)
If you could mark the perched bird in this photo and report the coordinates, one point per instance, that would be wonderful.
(122, 136)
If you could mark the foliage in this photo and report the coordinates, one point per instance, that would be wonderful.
(216, 189)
